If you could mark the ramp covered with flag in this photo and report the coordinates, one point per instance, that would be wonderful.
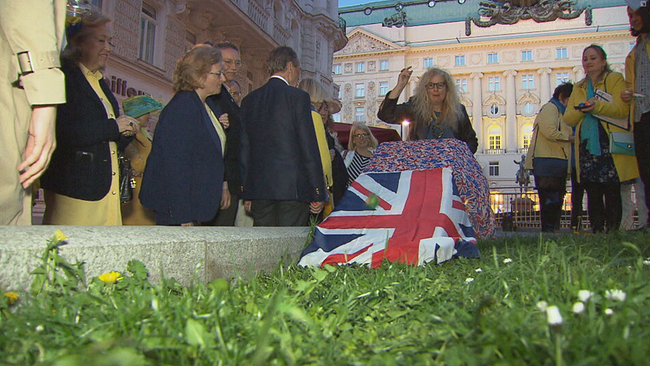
(414, 217)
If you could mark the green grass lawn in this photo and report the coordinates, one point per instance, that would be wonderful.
(487, 311)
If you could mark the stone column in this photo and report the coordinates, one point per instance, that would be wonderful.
(545, 84)
(477, 108)
(511, 111)
(580, 73)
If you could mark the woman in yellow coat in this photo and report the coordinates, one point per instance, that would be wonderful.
(598, 170)
(140, 107)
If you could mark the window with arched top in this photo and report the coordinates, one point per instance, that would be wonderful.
(494, 137)
(529, 109)
(527, 135)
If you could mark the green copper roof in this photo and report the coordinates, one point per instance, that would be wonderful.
(444, 11)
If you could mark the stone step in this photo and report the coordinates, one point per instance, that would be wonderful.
(184, 253)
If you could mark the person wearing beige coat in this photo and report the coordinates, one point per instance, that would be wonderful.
(551, 139)
(31, 86)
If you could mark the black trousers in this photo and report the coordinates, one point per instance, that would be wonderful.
(551, 192)
(577, 194)
(605, 207)
(280, 213)
(642, 148)
(226, 217)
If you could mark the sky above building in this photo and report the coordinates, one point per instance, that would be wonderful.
(344, 3)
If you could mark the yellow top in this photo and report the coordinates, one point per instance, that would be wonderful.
(325, 158)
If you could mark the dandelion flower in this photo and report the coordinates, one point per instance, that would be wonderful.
(617, 295)
(507, 260)
(609, 311)
(469, 280)
(578, 307)
(584, 295)
(542, 305)
(647, 261)
(110, 277)
(12, 296)
(478, 270)
(553, 315)
(39, 328)
(59, 236)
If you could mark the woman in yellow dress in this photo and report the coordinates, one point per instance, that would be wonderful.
(140, 107)
(82, 182)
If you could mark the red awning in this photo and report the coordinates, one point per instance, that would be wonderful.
(381, 134)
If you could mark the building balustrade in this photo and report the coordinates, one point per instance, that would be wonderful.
(494, 151)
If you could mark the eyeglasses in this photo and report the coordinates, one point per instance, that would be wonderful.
(237, 63)
(439, 85)
(361, 135)
(217, 74)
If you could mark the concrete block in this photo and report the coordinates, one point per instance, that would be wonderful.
(186, 254)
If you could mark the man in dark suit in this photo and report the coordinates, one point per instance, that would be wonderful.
(280, 164)
(223, 103)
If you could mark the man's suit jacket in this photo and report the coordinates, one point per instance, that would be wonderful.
(223, 103)
(81, 164)
(183, 178)
(279, 152)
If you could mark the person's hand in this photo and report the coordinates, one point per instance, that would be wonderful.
(128, 126)
(591, 105)
(225, 199)
(404, 76)
(225, 122)
(41, 143)
(572, 138)
(626, 95)
(247, 206)
(316, 207)
(188, 224)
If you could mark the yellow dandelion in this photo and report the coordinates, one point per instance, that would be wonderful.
(12, 296)
(110, 277)
(60, 236)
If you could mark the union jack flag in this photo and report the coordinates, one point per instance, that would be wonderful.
(411, 217)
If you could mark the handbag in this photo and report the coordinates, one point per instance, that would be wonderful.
(621, 143)
(127, 183)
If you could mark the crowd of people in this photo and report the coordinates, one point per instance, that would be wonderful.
(271, 158)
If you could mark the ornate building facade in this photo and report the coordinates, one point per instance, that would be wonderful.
(506, 60)
(151, 35)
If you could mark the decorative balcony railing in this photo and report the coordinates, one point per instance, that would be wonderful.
(494, 151)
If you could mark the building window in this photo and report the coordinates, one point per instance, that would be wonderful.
(147, 33)
(494, 110)
(460, 60)
(340, 95)
(383, 88)
(461, 85)
(528, 82)
(359, 114)
(190, 40)
(526, 55)
(361, 67)
(494, 169)
(383, 65)
(494, 83)
(562, 77)
(494, 138)
(632, 45)
(529, 109)
(359, 90)
(337, 69)
(337, 117)
(527, 133)
(428, 62)
(561, 53)
(97, 3)
(493, 58)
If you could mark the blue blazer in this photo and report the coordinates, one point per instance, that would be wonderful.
(81, 164)
(279, 152)
(183, 179)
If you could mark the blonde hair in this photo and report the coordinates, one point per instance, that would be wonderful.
(352, 146)
(194, 66)
(71, 55)
(314, 88)
(423, 108)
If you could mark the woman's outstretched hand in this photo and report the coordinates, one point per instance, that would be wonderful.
(402, 80)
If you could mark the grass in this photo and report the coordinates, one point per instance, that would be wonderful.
(463, 312)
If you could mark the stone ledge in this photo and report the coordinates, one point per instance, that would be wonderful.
(186, 254)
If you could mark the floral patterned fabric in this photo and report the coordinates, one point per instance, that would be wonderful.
(597, 169)
(468, 176)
